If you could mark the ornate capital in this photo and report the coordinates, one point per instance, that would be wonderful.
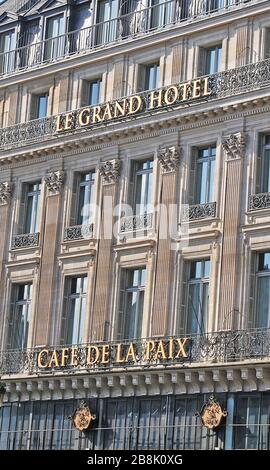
(234, 145)
(169, 158)
(5, 193)
(54, 181)
(110, 171)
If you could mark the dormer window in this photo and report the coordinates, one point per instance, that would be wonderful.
(7, 53)
(54, 37)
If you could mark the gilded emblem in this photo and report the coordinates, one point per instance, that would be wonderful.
(212, 413)
(82, 417)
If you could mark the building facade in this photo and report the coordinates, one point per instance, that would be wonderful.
(134, 219)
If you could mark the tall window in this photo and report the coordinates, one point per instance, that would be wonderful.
(32, 209)
(263, 291)
(213, 60)
(131, 303)
(55, 41)
(161, 13)
(7, 54)
(86, 192)
(20, 316)
(94, 92)
(143, 186)
(264, 182)
(197, 301)
(106, 29)
(151, 76)
(74, 310)
(205, 174)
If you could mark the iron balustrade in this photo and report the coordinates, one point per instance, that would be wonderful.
(199, 211)
(136, 222)
(127, 26)
(218, 347)
(259, 201)
(26, 240)
(78, 232)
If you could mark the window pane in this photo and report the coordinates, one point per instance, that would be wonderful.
(266, 171)
(264, 261)
(263, 301)
(42, 106)
(193, 324)
(94, 95)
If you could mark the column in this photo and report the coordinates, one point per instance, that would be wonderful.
(169, 159)
(234, 146)
(5, 198)
(110, 172)
(54, 181)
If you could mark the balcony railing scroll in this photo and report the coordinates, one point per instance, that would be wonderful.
(78, 232)
(224, 347)
(27, 240)
(199, 211)
(259, 201)
(132, 23)
(135, 223)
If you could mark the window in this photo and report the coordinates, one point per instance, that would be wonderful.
(205, 174)
(151, 76)
(39, 106)
(32, 209)
(7, 46)
(73, 320)
(131, 303)
(143, 186)
(161, 13)
(20, 316)
(213, 60)
(107, 24)
(94, 92)
(197, 302)
(85, 199)
(264, 177)
(55, 39)
(263, 291)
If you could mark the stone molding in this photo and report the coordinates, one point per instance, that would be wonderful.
(54, 181)
(234, 145)
(110, 171)
(169, 158)
(5, 193)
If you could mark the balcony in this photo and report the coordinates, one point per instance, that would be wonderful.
(259, 201)
(232, 82)
(224, 347)
(135, 223)
(134, 24)
(78, 232)
(199, 211)
(27, 240)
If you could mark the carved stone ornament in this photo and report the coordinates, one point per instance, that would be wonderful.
(169, 159)
(212, 414)
(234, 145)
(54, 181)
(82, 417)
(110, 171)
(5, 193)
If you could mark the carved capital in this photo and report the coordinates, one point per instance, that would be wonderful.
(54, 181)
(5, 193)
(110, 171)
(169, 158)
(234, 145)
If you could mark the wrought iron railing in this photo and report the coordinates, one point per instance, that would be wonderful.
(231, 82)
(134, 223)
(27, 240)
(132, 23)
(259, 201)
(199, 211)
(216, 348)
(78, 232)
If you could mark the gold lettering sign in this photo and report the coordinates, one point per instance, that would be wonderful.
(116, 354)
(166, 96)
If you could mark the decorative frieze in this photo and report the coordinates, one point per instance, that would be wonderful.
(199, 211)
(5, 193)
(110, 171)
(54, 181)
(169, 158)
(234, 145)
